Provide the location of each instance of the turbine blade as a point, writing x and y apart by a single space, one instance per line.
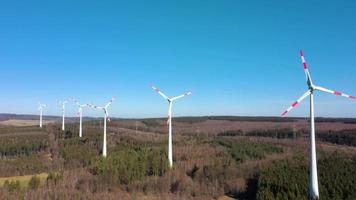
334 92
62 102
294 104
110 102
306 70
180 96
75 101
160 92
94 106
41 105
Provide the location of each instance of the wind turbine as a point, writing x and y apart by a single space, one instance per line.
313 178
63 103
169 121
106 117
80 113
40 108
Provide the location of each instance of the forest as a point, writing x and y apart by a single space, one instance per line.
257 164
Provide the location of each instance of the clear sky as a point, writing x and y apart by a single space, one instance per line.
236 57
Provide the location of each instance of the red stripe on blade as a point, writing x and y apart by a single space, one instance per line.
285 112
337 93
305 65
295 104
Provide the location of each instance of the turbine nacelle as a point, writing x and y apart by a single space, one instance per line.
78 104
41 106
103 108
63 103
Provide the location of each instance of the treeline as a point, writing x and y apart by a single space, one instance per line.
342 120
22 145
343 137
288 179
192 120
253 119
156 125
273 133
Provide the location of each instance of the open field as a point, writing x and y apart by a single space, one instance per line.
214 158
21 122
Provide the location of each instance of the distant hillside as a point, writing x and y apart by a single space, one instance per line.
7 116
254 119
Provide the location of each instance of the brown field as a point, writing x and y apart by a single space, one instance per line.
22 122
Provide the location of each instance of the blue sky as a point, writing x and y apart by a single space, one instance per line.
237 57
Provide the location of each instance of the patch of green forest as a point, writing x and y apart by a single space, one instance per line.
126 166
22 145
288 179
242 150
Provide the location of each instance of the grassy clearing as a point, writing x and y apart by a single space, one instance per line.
24 179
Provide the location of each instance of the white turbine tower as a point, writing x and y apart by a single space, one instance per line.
40 108
313 178
169 121
106 117
80 113
63 103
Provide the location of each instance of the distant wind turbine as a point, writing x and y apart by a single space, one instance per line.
106 117
80 113
169 121
313 178
40 108
63 103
